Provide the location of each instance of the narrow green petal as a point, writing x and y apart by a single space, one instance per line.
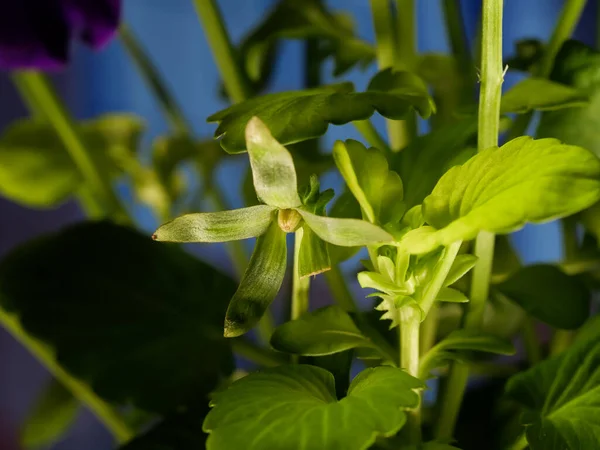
218 226
260 283
273 168
345 232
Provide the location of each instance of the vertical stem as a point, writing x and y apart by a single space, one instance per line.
42 100
489 114
81 391
368 131
339 288
235 81
406 33
385 36
409 360
531 341
154 81
429 329
300 286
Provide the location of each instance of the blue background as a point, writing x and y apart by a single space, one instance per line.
104 82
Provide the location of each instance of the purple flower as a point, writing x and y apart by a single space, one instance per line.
36 34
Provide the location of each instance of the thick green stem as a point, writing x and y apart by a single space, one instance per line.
455 27
406 34
429 329
81 391
300 286
488 129
567 21
439 276
154 81
409 361
236 83
385 36
42 100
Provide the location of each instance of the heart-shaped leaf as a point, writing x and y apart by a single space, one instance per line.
499 190
561 397
541 94
300 115
139 321
456 346
277 408
550 295
325 331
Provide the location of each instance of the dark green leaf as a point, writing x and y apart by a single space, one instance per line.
457 343
499 190
550 295
220 226
527 53
298 403
561 397
52 415
576 65
325 331
138 320
299 115
541 94
260 283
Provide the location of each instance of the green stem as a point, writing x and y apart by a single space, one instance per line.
531 341
429 330
441 270
339 289
368 131
569 235
520 444
406 34
42 100
81 391
300 286
488 129
457 36
236 83
258 355
567 21
154 81
409 361
385 36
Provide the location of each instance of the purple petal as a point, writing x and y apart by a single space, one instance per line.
33 35
94 21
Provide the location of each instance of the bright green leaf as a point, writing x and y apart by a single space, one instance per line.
314 255
461 265
447 294
273 168
299 115
260 283
550 295
499 190
298 403
561 397
325 331
52 415
220 226
140 321
456 344
541 94
345 232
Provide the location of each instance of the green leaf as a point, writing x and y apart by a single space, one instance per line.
561 398
314 255
460 267
322 332
423 162
36 169
345 232
273 168
576 65
139 321
220 226
52 415
301 401
177 432
541 94
457 345
550 295
260 284
499 190
366 174
447 294
300 115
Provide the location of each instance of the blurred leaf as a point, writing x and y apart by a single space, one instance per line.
527 53
139 321
500 190
36 169
576 65
314 255
550 295
506 260
219 226
52 415
299 115
322 332
447 294
561 397
301 400
541 94
260 284
460 267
